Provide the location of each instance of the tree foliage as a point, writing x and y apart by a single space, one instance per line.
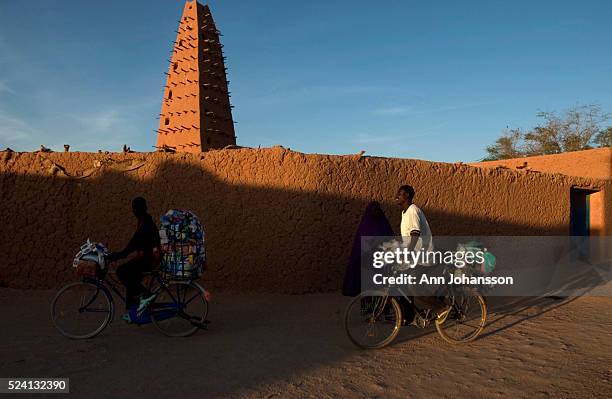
604 138
578 128
507 146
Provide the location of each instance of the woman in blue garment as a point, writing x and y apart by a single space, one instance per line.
373 223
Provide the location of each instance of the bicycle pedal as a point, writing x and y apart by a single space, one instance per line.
420 322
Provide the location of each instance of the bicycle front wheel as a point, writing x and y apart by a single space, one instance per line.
180 308
81 310
373 321
465 320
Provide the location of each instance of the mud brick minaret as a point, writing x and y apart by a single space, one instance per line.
196 113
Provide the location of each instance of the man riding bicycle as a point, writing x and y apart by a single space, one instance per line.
416 236
143 251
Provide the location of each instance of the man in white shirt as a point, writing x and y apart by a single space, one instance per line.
415 230
416 235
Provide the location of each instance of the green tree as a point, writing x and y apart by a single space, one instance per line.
578 128
506 147
603 138
542 140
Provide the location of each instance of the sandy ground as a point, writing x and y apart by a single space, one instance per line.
267 346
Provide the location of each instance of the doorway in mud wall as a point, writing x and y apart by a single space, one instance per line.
586 212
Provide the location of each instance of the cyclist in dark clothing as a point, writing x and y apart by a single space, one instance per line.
144 246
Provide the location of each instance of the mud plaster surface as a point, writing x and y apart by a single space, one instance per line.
276 220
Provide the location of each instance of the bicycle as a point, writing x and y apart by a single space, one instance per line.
83 309
381 316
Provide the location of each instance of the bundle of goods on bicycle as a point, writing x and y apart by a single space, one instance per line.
483 260
182 244
90 260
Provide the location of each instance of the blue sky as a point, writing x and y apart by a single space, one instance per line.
428 80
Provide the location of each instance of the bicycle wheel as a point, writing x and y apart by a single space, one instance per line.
81 310
373 321
465 320
179 309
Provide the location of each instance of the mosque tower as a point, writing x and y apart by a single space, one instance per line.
196 114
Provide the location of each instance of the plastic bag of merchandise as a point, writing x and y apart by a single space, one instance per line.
182 244
487 259
90 261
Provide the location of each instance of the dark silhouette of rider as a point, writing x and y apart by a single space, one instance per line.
143 251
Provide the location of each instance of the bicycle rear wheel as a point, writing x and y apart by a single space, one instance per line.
81 310
465 320
179 309
373 321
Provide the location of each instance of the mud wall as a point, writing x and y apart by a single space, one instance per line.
276 220
594 163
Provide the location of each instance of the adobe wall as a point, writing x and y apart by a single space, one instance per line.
276 220
595 163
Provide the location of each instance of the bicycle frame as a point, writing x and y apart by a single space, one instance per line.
378 307
111 285
180 292
410 301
